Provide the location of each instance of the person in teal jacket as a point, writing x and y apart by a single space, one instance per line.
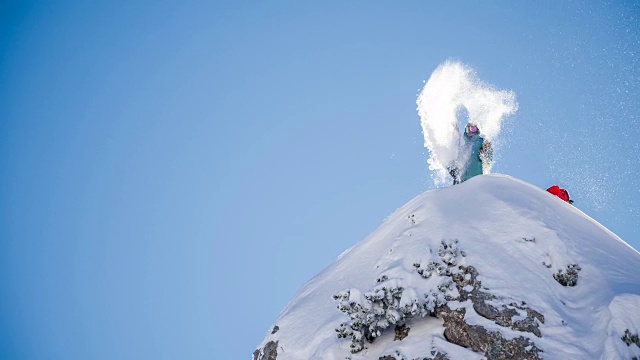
476 155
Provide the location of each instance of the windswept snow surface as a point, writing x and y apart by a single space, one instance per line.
508 229
453 91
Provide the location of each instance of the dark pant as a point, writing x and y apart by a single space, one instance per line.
455 174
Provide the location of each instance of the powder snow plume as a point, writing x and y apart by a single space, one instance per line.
453 96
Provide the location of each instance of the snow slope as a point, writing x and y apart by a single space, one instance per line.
516 236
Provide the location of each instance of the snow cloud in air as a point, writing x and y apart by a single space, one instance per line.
451 97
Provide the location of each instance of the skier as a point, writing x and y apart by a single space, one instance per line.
476 155
560 192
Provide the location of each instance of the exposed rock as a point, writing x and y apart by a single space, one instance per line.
467 277
478 339
275 329
402 331
270 352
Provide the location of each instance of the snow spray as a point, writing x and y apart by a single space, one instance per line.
451 97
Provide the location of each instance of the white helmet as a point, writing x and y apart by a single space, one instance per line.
471 129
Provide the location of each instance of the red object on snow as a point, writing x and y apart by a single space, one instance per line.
559 192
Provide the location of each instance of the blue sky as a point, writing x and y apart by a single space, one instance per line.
170 174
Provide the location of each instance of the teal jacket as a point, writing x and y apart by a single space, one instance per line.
473 166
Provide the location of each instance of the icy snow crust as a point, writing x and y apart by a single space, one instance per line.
491 216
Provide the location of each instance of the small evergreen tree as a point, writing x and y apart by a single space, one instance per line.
630 338
568 278
389 302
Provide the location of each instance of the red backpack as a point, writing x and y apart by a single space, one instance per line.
560 192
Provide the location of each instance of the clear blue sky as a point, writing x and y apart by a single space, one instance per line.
172 172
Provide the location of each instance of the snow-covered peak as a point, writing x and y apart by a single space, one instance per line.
493 257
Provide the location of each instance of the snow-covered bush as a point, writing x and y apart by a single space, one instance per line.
389 302
448 255
568 278
369 313
630 338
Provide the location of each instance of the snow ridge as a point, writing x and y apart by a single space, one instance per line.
516 240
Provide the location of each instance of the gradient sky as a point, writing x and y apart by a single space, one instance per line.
172 172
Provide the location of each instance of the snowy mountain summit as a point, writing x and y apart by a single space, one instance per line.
493 268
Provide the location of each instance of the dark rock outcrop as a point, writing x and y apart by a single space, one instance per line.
503 316
476 337
402 331
270 352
